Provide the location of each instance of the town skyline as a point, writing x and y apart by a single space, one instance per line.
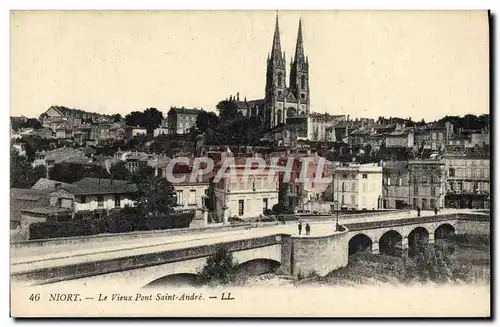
113 81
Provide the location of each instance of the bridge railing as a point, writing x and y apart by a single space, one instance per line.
416 220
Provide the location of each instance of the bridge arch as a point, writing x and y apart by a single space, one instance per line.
391 243
258 266
444 231
174 280
418 238
360 243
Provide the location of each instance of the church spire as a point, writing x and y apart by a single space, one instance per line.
299 48
276 50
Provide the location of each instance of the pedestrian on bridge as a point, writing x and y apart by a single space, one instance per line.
418 211
300 228
308 229
436 211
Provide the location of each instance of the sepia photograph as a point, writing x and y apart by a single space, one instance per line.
258 163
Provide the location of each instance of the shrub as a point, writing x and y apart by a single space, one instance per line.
220 268
278 208
65 229
124 221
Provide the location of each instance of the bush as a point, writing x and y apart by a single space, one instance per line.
278 209
65 229
124 221
220 268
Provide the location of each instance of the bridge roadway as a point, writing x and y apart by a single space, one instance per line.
39 257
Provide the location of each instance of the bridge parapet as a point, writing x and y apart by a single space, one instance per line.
84 268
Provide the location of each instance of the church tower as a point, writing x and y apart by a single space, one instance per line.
275 82
299 75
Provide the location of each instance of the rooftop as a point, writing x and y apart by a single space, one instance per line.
90 185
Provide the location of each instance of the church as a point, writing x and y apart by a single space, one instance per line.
281 101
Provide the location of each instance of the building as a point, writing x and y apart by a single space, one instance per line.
399 139
20 148
282 101
468 182
192 195
181 120
50 158
160 131
427 183
131 132
94 196
57 115
245 196
358 186
395 185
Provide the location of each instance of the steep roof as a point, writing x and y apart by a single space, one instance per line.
90 185
22 199
47 184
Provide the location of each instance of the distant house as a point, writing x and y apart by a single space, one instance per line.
399 139
20 148
160 131
50 158
56 115
26 199
131 132
181 120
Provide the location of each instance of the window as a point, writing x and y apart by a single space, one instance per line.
433 191
264 204
180 197
100 201
342 198
117 201
353 199
365 175
241 207
388 181
83 199
192 196
344 176
400 181
302 82
415 190
280 79
343 187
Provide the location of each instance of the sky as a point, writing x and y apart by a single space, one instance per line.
418 64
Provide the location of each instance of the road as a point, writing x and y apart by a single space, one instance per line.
23 258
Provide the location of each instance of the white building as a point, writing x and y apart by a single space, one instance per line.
246 195
191 196
91 195
358 186
160 131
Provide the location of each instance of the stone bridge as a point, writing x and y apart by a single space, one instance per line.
395 236
256 252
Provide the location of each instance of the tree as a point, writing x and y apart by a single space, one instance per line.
228 110
22 175
72 172
219 268
278 209
150 119
119 171
157 195
117 118
206 120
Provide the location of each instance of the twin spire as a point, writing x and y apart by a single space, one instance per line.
299 47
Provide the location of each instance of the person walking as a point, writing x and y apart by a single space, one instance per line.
300 228
418 211
436 211
308 229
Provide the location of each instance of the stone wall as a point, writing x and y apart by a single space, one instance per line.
320 254
477 227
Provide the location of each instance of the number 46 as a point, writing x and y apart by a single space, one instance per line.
34 297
